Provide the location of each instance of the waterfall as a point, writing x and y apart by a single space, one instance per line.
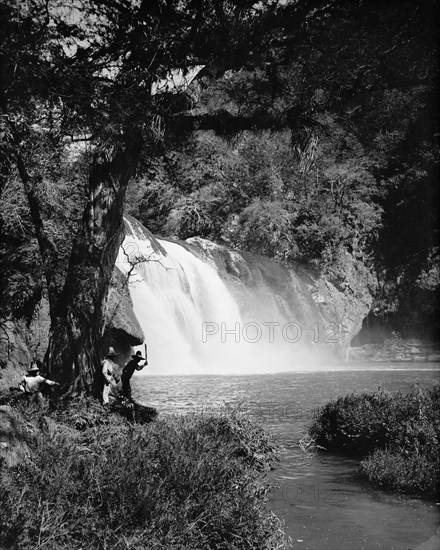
206 309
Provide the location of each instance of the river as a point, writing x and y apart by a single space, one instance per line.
322 502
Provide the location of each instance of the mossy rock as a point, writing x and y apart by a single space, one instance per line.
134 411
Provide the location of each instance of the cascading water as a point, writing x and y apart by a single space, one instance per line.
205 309
173 293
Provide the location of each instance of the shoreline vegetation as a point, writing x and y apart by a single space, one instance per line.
89 478
396 436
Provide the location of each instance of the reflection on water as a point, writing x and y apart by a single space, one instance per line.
323 503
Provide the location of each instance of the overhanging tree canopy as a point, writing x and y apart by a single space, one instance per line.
84 70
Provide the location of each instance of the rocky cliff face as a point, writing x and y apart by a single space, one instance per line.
327 314
13 446
122 327
120 320
21 343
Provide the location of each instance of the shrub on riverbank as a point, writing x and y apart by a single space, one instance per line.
180 482
396 434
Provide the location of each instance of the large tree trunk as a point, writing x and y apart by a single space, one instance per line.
73 356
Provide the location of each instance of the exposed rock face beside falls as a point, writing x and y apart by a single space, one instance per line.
267 290
120 320
20 343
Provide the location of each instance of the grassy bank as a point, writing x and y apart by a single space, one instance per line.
397 436
94 480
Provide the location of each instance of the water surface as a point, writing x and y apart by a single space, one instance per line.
321 499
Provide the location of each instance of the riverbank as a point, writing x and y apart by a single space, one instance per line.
82 476
397 349
396 435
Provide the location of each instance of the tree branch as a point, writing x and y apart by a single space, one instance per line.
223 122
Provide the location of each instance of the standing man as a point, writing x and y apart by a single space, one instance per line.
128 371
110 373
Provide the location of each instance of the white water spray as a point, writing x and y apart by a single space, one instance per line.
192 319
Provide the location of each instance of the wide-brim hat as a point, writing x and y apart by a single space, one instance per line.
34 368
111 352
138 356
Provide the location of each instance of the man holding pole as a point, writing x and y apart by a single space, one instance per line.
129 369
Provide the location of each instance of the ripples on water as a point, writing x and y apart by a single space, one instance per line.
324 504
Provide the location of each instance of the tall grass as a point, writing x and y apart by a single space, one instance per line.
397 435
105 483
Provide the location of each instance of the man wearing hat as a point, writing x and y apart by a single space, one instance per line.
32 382
128 371
110 373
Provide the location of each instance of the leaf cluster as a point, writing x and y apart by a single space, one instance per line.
387 428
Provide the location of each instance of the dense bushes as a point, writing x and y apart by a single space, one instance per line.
183 482
258 193
396 434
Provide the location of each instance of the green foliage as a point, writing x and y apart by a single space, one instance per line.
406 473
387 428
350 163
265 226
60 196
261 193
180 482
21 275
74 75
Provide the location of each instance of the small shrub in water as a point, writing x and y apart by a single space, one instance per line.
397 435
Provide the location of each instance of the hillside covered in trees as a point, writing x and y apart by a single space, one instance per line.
309 133
330 148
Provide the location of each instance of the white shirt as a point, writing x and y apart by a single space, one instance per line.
32 384
110 370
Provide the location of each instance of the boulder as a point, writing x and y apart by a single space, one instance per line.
13 446
120 319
